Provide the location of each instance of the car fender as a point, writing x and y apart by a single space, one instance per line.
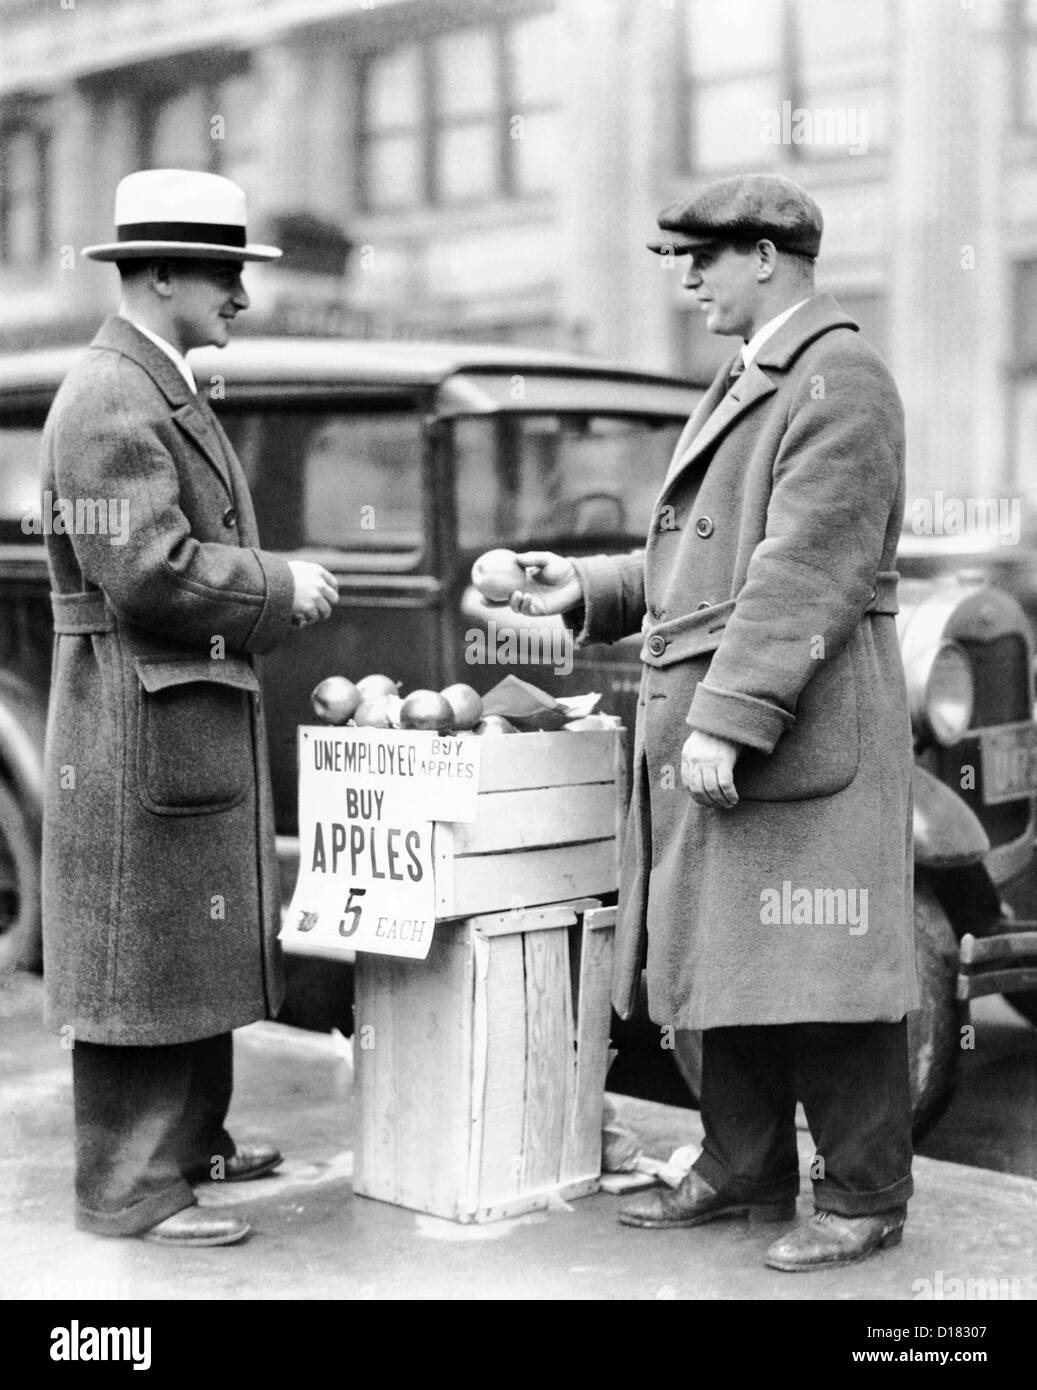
947 834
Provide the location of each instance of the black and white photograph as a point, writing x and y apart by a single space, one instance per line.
518 643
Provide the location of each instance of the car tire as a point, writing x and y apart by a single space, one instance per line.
21 945
933 1030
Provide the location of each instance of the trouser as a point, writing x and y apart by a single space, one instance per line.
147 1119
854 1083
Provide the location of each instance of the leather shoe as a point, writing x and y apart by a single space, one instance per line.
693 1203
198 1226
829 1239
246 1162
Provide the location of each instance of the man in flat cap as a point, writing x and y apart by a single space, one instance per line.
767 863
160 885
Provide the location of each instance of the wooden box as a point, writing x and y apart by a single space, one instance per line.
480 1071
548 826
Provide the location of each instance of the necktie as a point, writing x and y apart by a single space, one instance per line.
737 368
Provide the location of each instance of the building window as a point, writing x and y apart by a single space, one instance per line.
207 125
461 117
1023 33
23 195
766 81
843 74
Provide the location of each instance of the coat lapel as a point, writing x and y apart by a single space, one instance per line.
752 386
119 335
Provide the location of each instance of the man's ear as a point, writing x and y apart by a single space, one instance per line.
766 260
160 278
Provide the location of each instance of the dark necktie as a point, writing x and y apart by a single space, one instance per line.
737 368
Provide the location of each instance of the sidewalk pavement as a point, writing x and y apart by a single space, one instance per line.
312 1239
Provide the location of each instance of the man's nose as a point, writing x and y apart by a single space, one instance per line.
240 295
692 279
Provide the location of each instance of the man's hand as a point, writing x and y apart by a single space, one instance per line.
316 592
707 770
551 586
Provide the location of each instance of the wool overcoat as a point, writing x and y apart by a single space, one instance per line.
766 596
160 885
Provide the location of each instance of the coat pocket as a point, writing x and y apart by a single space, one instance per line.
194 734
820 754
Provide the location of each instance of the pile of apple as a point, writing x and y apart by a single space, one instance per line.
375 703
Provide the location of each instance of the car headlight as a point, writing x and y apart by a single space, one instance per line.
949 694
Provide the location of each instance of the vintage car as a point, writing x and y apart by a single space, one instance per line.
395 464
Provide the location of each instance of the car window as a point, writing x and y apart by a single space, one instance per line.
19 481
547 478
333 480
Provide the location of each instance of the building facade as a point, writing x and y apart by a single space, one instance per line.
490 169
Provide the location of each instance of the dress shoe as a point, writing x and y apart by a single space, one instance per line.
246 1162
830 1239
198 1226
693 1203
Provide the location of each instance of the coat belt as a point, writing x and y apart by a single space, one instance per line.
78 615
696 633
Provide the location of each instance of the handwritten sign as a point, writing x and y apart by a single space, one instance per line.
367 802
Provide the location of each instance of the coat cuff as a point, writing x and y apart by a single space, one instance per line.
600 618
738 718
275 617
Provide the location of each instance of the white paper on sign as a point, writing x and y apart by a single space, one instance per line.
436 777
367 802
366 880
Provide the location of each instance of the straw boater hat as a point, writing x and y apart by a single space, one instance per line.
181 213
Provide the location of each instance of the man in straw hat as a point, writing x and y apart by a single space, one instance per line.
767 866
160 885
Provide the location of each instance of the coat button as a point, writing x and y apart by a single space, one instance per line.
230 518
704 527
704 604
656 645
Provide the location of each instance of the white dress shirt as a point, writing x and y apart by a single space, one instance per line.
178 360
752 347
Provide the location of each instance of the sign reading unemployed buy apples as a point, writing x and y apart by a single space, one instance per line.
367 802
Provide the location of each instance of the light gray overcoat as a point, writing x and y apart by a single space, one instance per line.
766 594
160 886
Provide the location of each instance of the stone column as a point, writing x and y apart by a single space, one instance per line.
943 256
613 295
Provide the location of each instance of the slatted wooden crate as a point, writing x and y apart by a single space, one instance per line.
480 1071
548 826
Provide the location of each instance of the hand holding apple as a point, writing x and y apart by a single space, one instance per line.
551 584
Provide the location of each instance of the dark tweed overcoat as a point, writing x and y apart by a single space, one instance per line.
766 595
160 897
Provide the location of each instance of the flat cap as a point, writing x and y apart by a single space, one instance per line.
746 207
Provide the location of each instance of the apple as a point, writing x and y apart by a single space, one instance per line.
493 725
465 703
335 700
376 713
426 709
497 574
372 686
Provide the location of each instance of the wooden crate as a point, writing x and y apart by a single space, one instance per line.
480 1071
548 827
